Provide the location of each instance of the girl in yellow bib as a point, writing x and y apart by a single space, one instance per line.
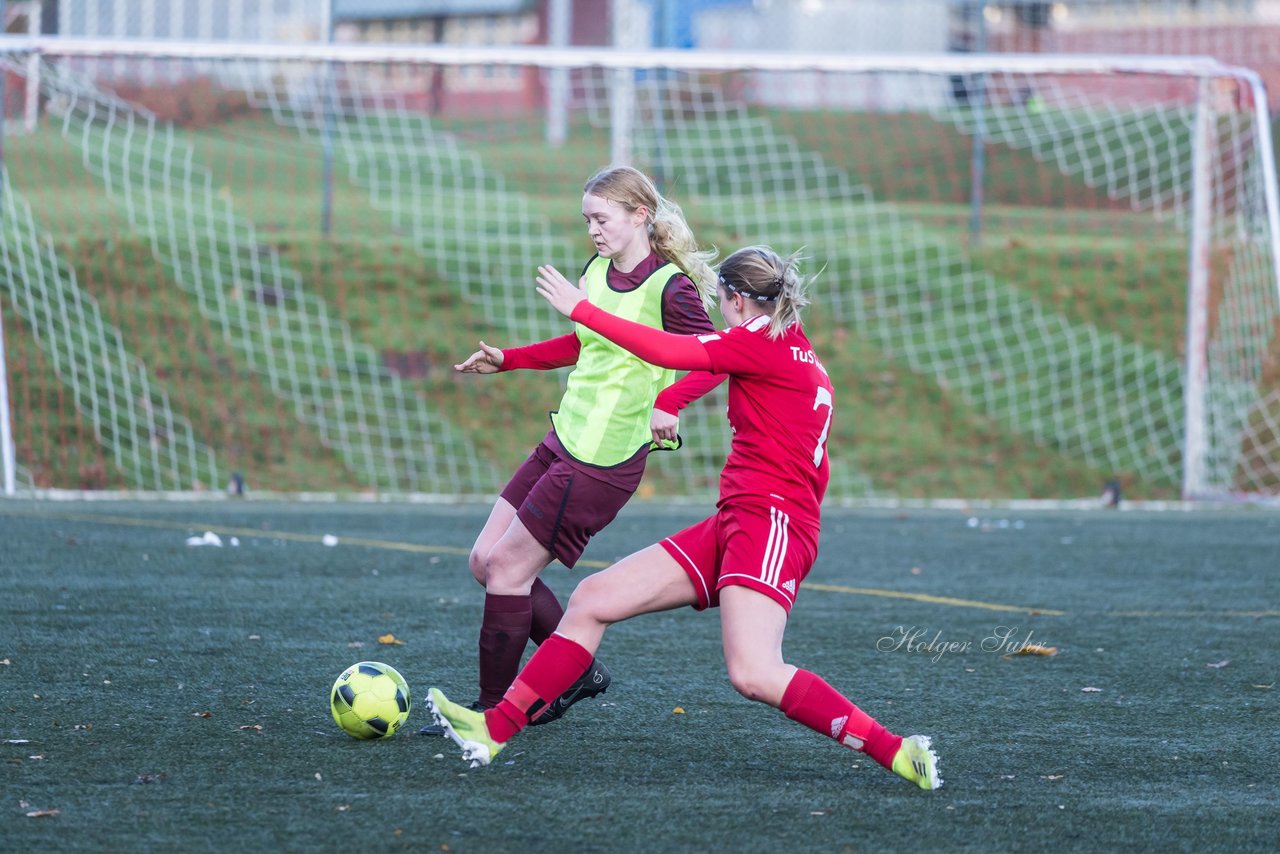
648 268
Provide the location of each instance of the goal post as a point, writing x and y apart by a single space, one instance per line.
8 457
191 293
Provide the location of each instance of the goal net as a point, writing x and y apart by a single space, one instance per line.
1036 275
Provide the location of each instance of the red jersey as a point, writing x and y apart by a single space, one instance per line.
780 407
780 403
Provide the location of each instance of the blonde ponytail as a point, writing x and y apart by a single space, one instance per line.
762 276
672 238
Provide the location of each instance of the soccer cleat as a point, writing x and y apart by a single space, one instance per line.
593 683
438 731
914 761
466 727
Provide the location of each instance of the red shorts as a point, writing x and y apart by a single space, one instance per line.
560 505
748 546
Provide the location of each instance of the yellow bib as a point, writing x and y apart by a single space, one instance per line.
604 415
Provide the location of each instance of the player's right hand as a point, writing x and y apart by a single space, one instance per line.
559 291
486 360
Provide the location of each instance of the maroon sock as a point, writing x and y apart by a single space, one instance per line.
504 633
556 665
547 612
811 701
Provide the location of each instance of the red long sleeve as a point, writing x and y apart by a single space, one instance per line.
544 355
686 390
681 352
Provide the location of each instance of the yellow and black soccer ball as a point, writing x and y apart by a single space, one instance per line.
370 700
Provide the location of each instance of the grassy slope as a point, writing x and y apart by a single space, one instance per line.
904 429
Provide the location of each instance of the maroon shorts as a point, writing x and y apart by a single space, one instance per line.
747 546
560 505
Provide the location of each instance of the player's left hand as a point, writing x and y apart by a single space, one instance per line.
664 426
558 290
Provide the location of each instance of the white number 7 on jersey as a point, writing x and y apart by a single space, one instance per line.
823 399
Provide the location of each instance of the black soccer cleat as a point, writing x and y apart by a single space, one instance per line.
593 683
438 730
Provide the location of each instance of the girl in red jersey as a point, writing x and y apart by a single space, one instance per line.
648 267
751 556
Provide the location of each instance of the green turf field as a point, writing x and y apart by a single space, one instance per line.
162 697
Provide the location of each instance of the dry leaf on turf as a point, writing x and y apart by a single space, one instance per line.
1036 649
678 710
388 639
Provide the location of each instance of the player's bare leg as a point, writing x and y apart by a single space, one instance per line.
645 582
752 625
751 628
500 519
649 580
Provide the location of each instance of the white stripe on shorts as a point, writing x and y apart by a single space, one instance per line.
775 551
697 571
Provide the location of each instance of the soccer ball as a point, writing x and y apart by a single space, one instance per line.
369 700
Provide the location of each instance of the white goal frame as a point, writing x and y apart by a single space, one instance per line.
1203 69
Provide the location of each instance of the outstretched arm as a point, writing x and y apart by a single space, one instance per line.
542 356
548 355
681 352
486 360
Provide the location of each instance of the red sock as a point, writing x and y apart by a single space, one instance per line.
504 633
556 665
811 701
547 612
